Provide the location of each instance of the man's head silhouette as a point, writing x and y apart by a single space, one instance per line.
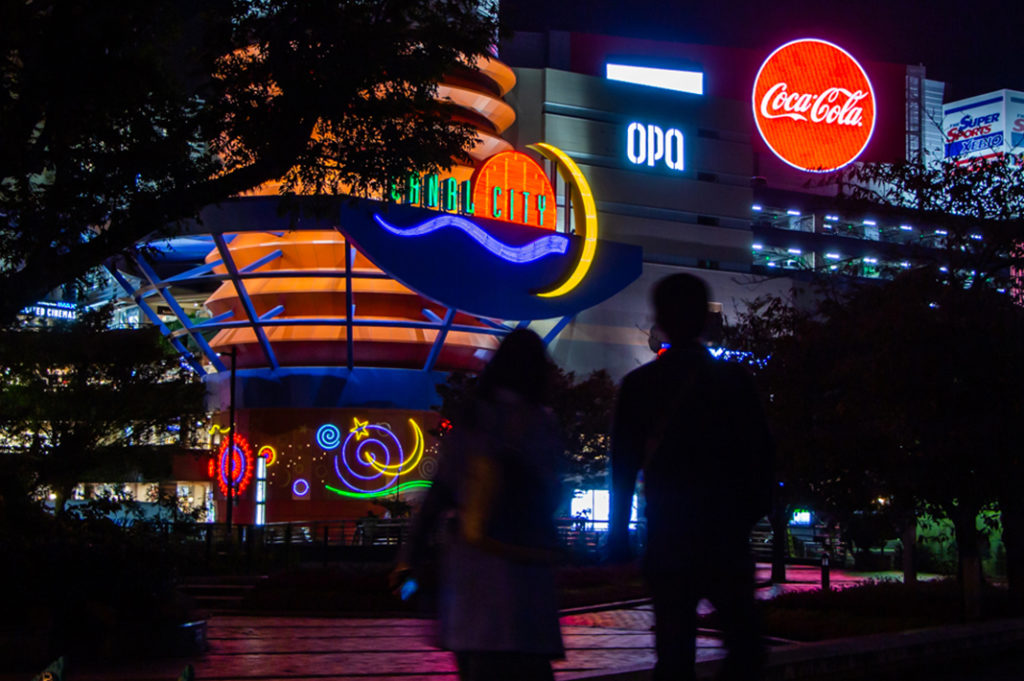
680 307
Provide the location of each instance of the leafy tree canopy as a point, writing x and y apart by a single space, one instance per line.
974 210
122 118
583 409
85 403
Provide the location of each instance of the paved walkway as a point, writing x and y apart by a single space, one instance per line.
286 648
244 648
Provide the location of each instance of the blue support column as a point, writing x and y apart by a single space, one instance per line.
243 296
182 316
557 329
442 333
155 318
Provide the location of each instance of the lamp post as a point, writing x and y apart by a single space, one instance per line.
231 439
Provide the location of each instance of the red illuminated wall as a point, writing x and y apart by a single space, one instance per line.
301 455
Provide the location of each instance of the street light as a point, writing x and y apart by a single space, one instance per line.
231 438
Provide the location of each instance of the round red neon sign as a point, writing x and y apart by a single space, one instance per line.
813 105
512 187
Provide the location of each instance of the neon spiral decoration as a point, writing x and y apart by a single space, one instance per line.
268 453
404 487
328 437
404 466
372 458
552 244
242 464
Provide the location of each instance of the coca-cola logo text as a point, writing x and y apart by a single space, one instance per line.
813 105
834 105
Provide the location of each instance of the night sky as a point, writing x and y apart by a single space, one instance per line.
975 47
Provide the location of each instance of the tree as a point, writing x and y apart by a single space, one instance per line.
814 445
976 207
890 397
84 403
126 118
583 409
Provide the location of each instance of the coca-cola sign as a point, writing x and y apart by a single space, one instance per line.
813 105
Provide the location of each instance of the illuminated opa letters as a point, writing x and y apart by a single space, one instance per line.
650 144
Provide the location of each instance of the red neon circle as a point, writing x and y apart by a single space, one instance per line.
814 105
501 185
242 464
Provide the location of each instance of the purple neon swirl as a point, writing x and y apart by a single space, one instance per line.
359 460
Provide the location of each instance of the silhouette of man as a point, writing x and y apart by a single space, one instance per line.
696 428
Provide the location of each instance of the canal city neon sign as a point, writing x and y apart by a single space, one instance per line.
509 187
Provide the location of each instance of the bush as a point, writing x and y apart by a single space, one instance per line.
869 608
85 587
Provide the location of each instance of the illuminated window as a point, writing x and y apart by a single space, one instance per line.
666 79
595 505
800 517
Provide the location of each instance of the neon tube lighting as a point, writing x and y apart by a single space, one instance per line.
552 244
404 487
328 436
584 210
404 465
666 79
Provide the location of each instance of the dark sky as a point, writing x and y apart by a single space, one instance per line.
973 46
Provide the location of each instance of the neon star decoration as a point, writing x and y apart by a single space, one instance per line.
242 465
359 428
371 460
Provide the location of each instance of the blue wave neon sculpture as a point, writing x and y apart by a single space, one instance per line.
552 244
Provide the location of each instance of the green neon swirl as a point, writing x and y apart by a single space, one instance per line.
405 486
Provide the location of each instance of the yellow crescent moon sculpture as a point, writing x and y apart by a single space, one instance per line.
403 467
585 210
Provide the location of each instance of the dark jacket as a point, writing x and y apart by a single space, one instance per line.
696 427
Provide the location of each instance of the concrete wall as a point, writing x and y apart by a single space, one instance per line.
696 220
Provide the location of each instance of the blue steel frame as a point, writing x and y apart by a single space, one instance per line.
204 274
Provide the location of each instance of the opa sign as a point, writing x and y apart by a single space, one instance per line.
648 144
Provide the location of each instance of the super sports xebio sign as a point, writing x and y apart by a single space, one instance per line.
814 105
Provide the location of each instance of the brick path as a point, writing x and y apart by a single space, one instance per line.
321 649
250 648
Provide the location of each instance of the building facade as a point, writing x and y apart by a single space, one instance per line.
326 335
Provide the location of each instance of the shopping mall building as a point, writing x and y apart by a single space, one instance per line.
603 164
